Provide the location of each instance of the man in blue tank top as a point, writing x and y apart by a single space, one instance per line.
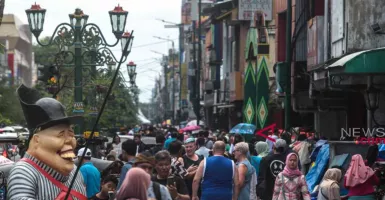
219 177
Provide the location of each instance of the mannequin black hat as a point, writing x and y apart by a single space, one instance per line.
42 113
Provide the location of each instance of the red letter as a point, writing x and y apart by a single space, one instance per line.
363 140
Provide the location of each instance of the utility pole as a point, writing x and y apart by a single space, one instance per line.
172 55
194 89
288 65
198 103
173 82
165 62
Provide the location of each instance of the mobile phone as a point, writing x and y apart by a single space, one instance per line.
170 180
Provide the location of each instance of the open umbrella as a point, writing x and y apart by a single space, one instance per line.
191 128
243 128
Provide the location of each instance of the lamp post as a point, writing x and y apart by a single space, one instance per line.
91 47
372 99
131 70
172 55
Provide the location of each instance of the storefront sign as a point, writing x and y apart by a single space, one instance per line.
247 7
315 42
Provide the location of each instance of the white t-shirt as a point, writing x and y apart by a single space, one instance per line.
117 148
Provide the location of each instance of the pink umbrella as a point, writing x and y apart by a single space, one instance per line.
191 128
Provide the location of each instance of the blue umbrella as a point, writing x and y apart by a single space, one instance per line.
243 128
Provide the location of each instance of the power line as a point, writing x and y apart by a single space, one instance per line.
145 45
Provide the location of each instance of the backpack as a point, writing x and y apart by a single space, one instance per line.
156 188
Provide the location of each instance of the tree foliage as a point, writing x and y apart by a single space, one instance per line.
10 109
120 109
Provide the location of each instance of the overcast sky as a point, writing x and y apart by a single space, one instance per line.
141 18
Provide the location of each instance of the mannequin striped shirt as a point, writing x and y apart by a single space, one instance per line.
27 183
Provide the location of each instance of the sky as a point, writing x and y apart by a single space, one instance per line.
142 18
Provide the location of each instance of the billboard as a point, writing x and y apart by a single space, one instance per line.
247 7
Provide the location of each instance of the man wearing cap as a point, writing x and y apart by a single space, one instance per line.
270 167
91 174
47 168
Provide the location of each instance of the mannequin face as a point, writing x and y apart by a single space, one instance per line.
55 146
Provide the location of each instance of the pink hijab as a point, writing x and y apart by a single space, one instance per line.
358 172
291 172
135 185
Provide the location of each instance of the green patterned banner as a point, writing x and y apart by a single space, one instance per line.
250 92
262 95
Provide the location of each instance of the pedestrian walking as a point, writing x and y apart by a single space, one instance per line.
219 175
91 174
134 186
246 173
360 179
290 183
329 188
270 167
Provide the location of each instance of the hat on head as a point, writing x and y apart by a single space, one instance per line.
42 113
88 152
189 140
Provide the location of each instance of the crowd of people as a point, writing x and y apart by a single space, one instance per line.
221 167
182 166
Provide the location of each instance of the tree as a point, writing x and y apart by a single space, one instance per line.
10 108
119 109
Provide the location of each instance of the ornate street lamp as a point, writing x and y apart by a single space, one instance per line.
118 21
372 98
127 37
36 17
111 65
78 18
131 69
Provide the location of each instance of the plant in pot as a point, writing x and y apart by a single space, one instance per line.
52 85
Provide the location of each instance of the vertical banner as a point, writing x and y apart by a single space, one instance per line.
263 90
250 91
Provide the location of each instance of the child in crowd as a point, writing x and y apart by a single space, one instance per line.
108 187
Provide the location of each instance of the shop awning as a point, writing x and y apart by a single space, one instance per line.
363 62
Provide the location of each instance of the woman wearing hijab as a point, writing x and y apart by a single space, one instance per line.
329 188
262 149
371 156
135 185
360 180
302 147
290 183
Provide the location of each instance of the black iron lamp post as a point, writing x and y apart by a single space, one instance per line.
91 47
372 98
131 69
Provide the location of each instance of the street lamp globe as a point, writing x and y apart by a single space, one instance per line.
36 17
127 37
78 18
118 21
131 68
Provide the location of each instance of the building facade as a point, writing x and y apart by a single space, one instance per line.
20 57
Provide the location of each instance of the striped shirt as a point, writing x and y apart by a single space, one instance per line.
27 183
177 168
